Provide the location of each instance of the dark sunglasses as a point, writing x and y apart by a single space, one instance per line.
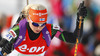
37 25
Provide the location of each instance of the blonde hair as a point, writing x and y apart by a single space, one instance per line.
25 10
38 7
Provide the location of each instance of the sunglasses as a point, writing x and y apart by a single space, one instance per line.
36 24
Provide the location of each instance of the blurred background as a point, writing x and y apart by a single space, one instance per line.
64 14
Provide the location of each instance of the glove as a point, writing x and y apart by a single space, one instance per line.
1 53
82 11
3 42
7 48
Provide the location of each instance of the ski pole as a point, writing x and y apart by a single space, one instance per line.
80 21
77 41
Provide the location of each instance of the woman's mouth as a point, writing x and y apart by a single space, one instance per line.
37 30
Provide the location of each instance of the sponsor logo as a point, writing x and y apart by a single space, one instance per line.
40 14
13 33
20 37
47 32
56 27
9 37
24 48
42 19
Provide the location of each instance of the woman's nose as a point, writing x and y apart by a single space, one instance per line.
39 27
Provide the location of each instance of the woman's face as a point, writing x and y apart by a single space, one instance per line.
36 29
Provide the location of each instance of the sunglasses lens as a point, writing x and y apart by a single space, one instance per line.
43 24
35 24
